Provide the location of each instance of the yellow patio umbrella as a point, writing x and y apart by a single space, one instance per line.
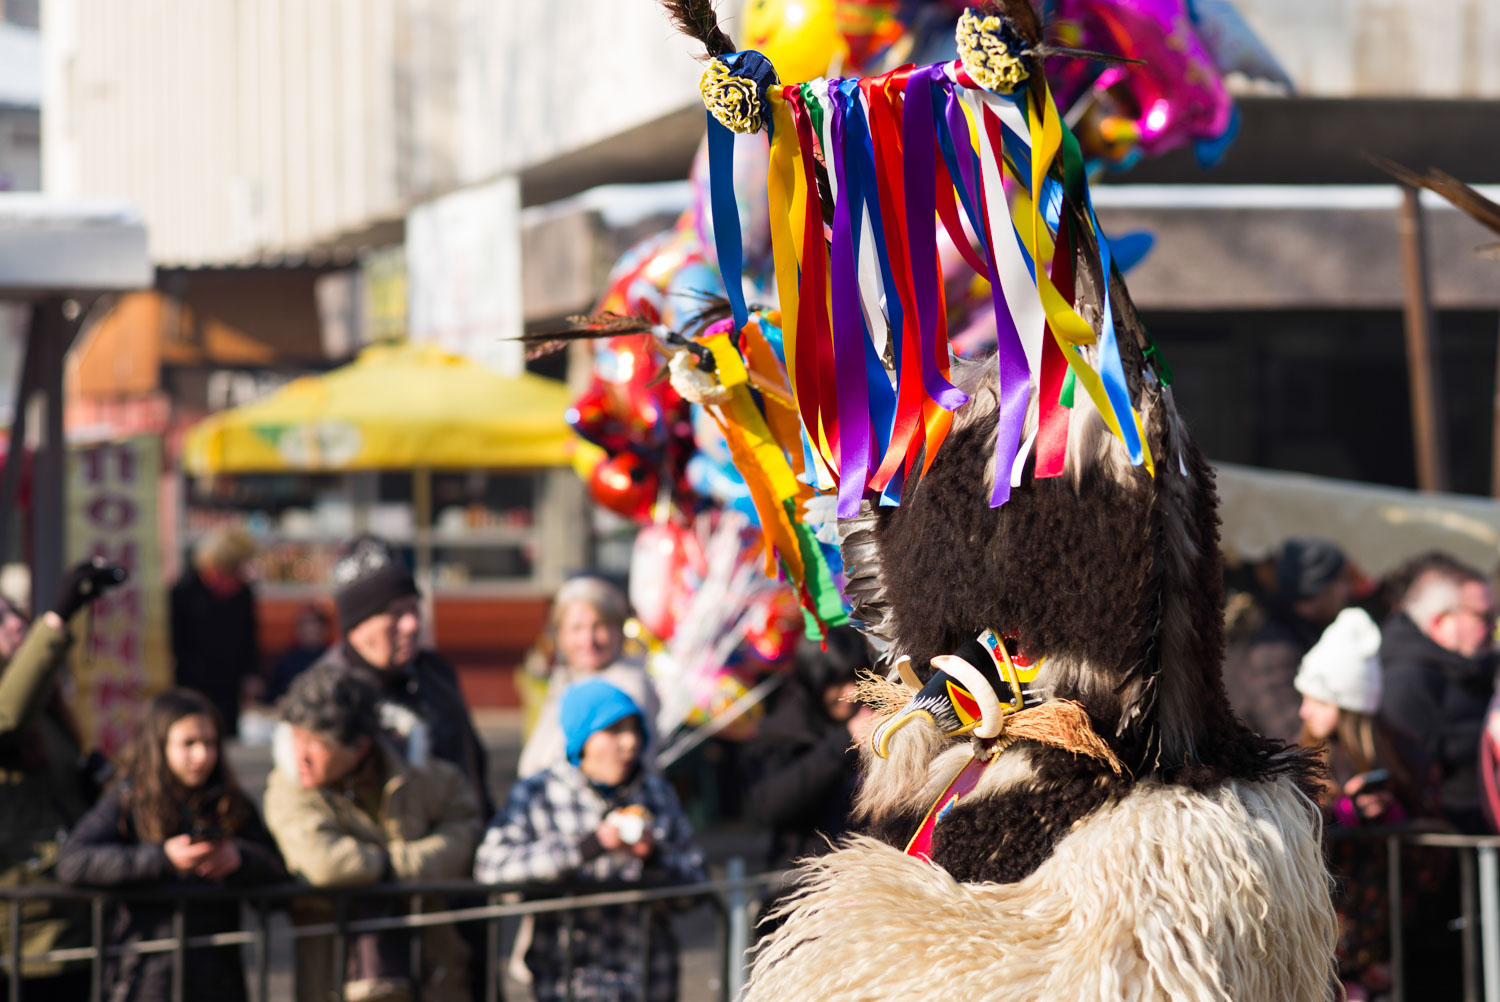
401 406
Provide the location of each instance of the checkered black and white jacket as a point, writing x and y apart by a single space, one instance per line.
540 836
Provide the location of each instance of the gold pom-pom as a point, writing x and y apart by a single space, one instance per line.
989 51
734 101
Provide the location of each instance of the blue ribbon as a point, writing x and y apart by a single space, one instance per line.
726 217
725 209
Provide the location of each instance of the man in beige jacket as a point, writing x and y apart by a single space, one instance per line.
348 808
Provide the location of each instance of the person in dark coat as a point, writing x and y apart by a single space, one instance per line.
1312 586
214 641
176 818
1439 679
804 760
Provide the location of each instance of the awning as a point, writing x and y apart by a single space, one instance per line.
396 407
1379 527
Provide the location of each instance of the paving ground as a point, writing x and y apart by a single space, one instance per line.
697 931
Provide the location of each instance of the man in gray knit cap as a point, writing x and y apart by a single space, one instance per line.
380 620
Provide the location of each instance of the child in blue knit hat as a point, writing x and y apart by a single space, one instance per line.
599 816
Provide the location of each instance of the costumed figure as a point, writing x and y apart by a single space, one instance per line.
649 456
1061 804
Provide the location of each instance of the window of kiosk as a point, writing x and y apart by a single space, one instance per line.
481 535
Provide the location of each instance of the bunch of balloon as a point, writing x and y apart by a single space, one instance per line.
639 427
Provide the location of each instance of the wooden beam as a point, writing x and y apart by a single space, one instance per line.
1429 429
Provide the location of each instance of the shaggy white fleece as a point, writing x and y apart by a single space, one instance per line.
1167 895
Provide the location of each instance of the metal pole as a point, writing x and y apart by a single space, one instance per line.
1393 891
414 951
179 949
1489 919
48 494
1429 434
341 947
15 456
14 947
423 551
96 939
1471 925
721 932
263 951
739 927
492 965
567 939
647 916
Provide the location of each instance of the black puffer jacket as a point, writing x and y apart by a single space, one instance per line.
104 851
803 774
429 688
1439 699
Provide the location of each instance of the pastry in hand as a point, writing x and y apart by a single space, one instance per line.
630 822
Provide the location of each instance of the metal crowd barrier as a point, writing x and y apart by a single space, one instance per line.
1479 927
731 899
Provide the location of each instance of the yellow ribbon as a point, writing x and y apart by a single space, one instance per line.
760 460
782 191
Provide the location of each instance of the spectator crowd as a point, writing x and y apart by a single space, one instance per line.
1394 686
380 777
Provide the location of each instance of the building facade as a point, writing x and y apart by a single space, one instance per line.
320 133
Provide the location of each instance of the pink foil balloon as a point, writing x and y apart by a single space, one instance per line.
1175 97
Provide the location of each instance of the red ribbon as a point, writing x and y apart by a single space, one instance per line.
1052 416
816 391
959 787
947 206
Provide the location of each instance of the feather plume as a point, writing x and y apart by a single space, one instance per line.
1021 15
697 19
585 327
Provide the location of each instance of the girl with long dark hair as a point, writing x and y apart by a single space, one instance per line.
175 817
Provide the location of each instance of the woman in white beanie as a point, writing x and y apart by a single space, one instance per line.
1374 778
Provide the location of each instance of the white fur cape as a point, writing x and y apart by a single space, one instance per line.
1167 895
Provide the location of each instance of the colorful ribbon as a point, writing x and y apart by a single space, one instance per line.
869 396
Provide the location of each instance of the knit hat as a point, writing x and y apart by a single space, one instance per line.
590 706
367 578
1343 668
1306 567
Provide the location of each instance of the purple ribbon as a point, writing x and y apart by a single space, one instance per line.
848 326
919 157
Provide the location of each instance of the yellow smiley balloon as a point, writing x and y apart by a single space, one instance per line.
800 37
